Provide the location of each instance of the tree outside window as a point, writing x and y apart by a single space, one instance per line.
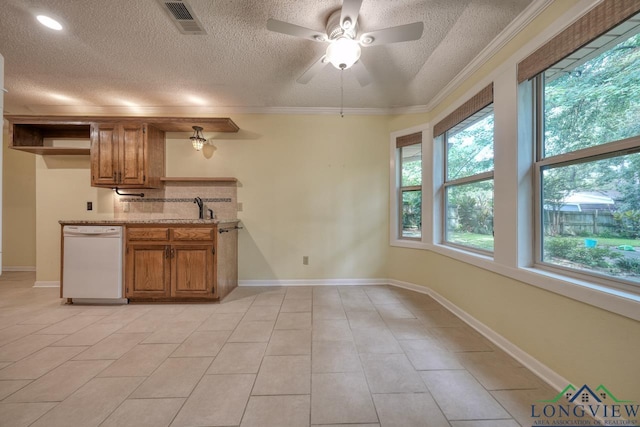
588 164
411 190
469 182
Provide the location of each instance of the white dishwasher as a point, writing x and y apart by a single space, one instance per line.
92 264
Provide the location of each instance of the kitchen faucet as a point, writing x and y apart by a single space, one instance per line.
198 200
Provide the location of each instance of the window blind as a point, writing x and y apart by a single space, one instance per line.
472 106
414 138
596 22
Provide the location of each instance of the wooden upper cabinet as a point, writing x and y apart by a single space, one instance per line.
132 160
126 155
104 154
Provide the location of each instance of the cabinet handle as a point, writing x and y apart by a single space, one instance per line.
173 253
166 252
120 177
115 177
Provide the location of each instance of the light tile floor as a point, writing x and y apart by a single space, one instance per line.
298 356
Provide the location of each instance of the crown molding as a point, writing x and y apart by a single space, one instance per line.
534 9
189 111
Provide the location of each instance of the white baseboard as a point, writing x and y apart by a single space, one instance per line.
555 380
47 284
314 282
19 268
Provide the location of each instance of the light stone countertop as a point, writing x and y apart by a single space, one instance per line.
149 221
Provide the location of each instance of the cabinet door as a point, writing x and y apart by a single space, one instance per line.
132 154
192 271
148 271
104 154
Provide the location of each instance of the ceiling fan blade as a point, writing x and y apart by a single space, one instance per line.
350 10
315 68
361 73
295 30
401 33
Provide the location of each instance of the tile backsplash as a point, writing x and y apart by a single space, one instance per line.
176 201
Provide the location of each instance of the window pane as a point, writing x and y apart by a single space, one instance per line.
412 214
411 157
470 149
591 216
469 215
593 103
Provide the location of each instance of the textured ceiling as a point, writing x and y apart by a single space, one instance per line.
126 56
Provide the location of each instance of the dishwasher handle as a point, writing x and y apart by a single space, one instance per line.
88 231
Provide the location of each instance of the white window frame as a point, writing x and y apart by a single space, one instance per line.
469 179
395 204
581 156
513 255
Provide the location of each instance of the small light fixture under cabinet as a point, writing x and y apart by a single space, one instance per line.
197 140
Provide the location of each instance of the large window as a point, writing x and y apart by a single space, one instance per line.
588 160
409 155
468 174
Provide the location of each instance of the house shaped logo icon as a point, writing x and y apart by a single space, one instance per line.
585 406
585 396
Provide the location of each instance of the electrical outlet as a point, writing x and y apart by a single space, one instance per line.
125 207
239 206
305 260
89 206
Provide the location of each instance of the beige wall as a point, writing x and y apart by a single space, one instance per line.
309 186
18 208
62 191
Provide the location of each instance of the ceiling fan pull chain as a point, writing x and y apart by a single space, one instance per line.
342 93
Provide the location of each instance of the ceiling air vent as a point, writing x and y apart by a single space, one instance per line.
182 15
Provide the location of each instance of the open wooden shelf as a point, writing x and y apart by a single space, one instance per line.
54 150
167 124
28 133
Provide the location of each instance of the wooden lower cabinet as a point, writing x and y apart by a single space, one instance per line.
178 264
192 271
148 271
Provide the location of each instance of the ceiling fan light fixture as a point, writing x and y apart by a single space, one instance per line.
343 52
197 140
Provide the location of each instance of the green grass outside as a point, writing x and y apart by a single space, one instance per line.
485 241
479 241
612 241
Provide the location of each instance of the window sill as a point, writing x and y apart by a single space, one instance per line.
411 244
613 300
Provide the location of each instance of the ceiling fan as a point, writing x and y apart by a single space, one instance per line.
344 41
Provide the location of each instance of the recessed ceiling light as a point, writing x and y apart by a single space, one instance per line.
197 100
60 97
49 22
